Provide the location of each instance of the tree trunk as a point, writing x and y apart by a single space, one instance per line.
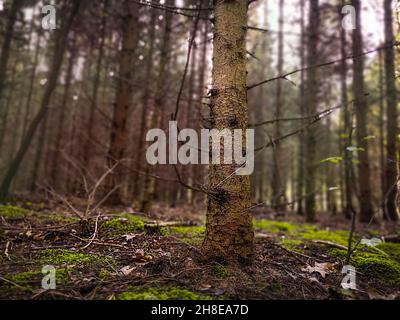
119 135
5 50
229 232
382 165
392 119
55 167
278 179
361 110
311 100
347 123
88 153
61 39
300 182
145 101
159 105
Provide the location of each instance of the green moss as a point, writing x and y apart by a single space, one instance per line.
292 244
54 217
161 294
190 235
374 265
12 212
301 231
123 224
392 249
275 226
67 257
32 279
220 271
339 236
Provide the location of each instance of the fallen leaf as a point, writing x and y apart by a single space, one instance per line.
321 268
127 270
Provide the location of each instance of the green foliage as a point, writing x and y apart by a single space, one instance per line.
123 224
12 212
161 294
334 160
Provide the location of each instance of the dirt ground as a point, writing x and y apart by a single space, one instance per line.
122 254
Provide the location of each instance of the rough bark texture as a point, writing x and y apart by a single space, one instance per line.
311 108
123 101
229 233
361 110
58 54
392 118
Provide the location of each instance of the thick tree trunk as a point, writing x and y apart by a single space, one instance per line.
361 110
311 100
392 118
229 232
58 54
119 134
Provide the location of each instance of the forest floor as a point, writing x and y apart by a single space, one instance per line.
124 255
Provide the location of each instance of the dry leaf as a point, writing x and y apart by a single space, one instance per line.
321 268
127 270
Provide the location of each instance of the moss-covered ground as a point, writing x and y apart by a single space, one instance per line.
123 260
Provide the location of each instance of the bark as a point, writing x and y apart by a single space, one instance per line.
122 105
392 118
6 47
31 84
61 39
311 105
229 232
96 84
278 184
347 123
361 110
159 105
382 134
300 183
55 167
145 99
7 106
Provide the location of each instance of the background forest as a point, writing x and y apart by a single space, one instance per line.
77 101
